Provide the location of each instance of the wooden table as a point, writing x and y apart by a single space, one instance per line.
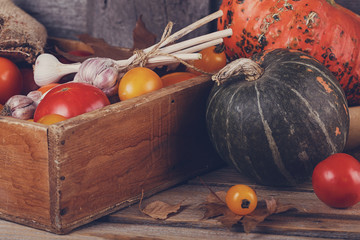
319 221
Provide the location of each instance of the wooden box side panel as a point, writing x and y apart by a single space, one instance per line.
142 145
24 175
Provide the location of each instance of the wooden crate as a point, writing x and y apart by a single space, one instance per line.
62 176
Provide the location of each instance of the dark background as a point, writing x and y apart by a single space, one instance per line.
114 20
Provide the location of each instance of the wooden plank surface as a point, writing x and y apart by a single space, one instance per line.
318 221
24 185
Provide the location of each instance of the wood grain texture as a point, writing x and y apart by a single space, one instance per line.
103 160
24 176
313 220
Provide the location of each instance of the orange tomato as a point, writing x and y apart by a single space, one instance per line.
51 119
241 199
47 87
212 60
138 81
11 81
176 77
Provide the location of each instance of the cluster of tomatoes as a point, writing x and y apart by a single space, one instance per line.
69 99
335 180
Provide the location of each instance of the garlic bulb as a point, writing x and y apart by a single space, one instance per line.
48 69
101 73
19 106
36 96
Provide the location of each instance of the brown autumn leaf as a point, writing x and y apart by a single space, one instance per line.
215 207
160 209
263 210
142 38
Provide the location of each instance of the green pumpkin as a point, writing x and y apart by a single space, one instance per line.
278 126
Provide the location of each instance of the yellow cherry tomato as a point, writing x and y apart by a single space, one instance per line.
212 60
176 77
51 119
138 81
241 199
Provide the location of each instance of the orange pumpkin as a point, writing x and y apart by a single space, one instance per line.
321 28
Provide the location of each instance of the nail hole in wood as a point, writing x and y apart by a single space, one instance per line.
63 211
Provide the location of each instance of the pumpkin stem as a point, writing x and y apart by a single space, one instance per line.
239 67
331 2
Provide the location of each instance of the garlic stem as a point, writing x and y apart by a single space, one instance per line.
179 34
164 60
194 41
48 69
208 40
202 46
191 27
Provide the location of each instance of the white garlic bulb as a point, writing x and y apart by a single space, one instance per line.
19 106
36 96
99 72
48 69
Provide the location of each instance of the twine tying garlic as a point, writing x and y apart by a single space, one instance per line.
105 73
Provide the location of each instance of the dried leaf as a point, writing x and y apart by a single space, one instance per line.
271 205
103 49
215 207
229 219
142 37
160 210
250 221
262 211
213 210
216 197
71 57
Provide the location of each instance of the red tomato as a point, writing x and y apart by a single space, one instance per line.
212 60
176 77
336 181
10 80
241 199
71 99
